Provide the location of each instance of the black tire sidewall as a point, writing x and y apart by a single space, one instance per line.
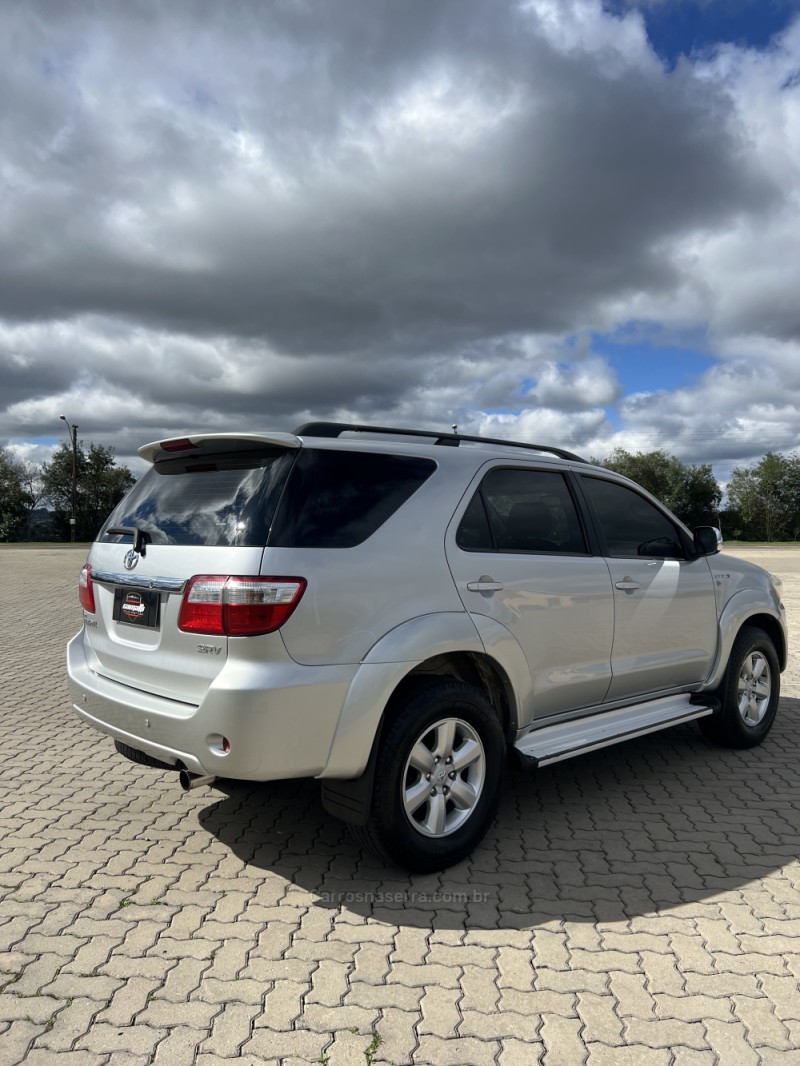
730 726
404 843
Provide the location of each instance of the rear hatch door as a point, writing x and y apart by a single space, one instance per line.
202 509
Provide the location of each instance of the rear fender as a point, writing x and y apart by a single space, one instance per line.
386 664
502 646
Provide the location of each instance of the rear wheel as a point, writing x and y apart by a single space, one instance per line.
437 778
749 693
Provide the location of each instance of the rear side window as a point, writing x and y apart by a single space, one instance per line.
221 500
336 499
521 511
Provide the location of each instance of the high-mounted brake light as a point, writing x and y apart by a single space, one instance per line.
226 606
182 444
86 589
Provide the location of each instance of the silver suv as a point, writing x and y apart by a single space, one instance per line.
393 612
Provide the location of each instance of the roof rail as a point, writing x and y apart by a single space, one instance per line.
335 429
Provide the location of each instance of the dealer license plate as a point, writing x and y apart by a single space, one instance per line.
137 607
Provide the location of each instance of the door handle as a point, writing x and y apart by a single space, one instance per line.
627 585
484 585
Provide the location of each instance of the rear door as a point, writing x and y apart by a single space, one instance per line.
519 554
205 511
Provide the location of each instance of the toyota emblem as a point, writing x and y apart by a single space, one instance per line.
131 559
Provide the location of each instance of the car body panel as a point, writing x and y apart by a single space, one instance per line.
558 607
559 610
386 664
665 629
355 596
279 719
164 661
744 592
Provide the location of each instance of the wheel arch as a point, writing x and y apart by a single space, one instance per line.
473 668
774 631
746 608
444 644
349 797
748 697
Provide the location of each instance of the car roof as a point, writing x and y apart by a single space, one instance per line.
449 449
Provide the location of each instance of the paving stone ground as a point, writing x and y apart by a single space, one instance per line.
636 906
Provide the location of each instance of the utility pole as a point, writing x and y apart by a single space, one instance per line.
73 434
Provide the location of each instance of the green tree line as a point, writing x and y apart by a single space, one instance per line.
690 492
26 489
764 499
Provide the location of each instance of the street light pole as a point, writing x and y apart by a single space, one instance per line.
73 434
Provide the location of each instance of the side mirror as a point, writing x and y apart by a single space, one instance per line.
707 540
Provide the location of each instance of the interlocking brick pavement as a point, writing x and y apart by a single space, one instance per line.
639 905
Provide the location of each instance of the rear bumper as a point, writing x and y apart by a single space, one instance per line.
280 718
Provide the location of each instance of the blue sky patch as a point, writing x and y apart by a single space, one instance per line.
685 27
646 366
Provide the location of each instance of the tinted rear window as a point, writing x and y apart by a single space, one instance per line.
219 500
522 510
306 499
337 499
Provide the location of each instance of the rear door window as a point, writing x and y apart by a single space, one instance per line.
518 510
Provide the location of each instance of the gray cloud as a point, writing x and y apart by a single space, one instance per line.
263 211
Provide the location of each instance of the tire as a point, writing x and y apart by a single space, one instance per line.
748 694
140 757
437 779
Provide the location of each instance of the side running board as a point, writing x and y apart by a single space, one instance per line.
553 743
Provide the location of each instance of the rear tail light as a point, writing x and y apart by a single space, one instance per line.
226 606
86 589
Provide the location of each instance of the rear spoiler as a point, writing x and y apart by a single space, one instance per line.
197 444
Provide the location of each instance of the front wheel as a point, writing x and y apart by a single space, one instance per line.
749 692
437 779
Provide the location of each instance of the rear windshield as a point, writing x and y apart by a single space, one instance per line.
310 499
220 500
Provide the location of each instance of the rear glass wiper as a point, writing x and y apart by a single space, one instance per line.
140 538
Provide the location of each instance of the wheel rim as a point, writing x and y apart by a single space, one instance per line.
754 688
443 777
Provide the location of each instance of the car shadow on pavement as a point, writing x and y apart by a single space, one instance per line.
635 829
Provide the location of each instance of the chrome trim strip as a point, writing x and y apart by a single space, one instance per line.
139 581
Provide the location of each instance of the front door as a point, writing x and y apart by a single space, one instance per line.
665 630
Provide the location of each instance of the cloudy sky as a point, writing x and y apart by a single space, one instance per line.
558 220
